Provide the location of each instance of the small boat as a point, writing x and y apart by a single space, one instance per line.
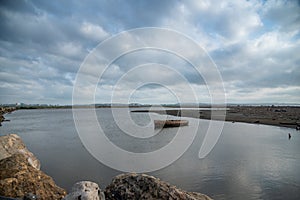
170 123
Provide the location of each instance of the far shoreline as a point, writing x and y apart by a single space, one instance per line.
280 116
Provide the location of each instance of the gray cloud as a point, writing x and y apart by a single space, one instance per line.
255 45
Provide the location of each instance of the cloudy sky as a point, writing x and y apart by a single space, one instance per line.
254 44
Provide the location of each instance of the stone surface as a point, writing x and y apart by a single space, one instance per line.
21 178
11 144
18 178
3 111
141 186
85 190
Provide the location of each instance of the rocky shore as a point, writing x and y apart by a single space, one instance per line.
3 111
283 116
20 173
21 178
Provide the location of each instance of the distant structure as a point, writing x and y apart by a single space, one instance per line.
20 104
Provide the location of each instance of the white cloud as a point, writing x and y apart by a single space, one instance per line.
255 44
271 41
69 49
93 32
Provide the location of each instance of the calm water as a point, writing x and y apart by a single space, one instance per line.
248 162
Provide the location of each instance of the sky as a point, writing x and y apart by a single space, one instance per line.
254 44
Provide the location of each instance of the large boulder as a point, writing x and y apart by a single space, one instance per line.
18 178
11 144
85 190
20 173
140 186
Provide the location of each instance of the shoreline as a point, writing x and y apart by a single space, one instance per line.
280 116
3 111
22 178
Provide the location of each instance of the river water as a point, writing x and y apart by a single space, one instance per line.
248 162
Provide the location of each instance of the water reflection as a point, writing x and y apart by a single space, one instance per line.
248 162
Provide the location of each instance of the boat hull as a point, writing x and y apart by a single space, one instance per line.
169 123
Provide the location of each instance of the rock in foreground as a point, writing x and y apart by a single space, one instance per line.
140 186
11 144
85 190
20 174
18 178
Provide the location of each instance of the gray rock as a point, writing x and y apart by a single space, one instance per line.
85 190
12 144
141 186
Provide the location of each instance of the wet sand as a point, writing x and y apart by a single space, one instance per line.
283 116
